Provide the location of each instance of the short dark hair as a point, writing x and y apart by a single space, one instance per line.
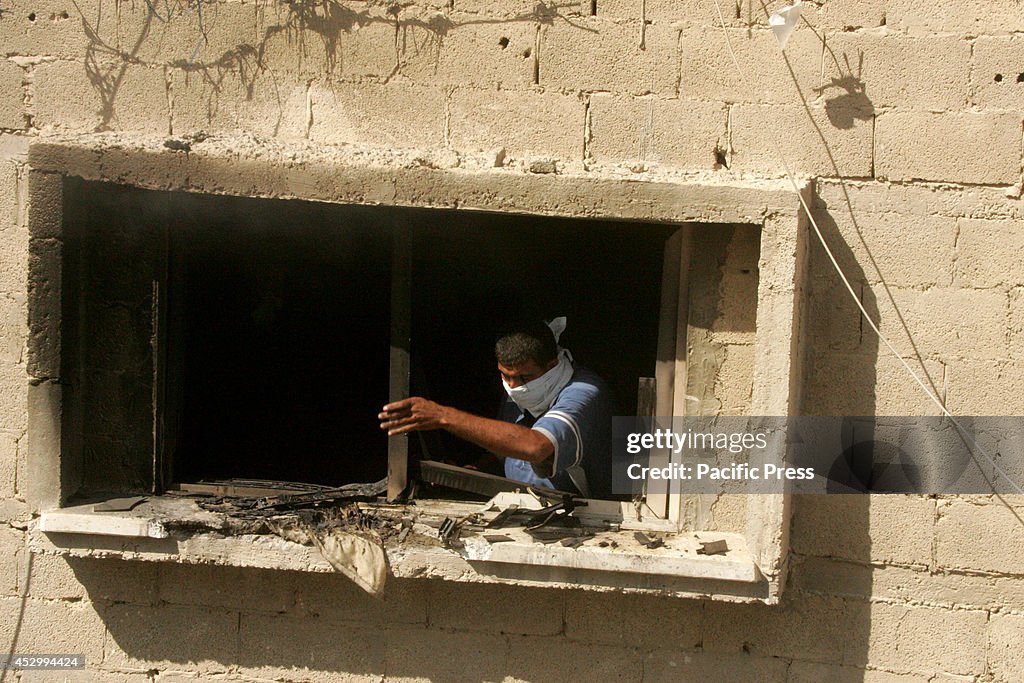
523 342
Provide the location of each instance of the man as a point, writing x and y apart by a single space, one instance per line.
554 428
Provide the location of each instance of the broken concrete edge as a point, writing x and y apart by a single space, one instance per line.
77 532
247 166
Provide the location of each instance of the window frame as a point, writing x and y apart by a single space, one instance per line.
769 204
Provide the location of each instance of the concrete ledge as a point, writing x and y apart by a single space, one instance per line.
154 532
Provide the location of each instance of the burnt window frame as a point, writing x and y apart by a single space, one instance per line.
768 204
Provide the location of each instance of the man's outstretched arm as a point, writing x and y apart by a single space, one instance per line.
503 438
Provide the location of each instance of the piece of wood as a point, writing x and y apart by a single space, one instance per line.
675 501
401 322
674 274
646 397
246 488
171 359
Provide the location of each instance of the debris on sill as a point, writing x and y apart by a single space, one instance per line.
119 504
356 531
713 547
649 541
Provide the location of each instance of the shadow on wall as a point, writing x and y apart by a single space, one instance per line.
198 38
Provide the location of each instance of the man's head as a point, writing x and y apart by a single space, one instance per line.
525 352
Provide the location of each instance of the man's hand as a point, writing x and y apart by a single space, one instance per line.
411 415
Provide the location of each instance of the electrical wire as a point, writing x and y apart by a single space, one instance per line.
835 264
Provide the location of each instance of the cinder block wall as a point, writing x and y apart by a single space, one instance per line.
910 117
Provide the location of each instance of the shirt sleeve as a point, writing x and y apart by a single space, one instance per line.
566 424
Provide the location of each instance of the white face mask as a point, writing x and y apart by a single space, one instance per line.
536 396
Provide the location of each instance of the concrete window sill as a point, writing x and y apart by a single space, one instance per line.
174 529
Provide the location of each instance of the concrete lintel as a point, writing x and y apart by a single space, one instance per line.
350 174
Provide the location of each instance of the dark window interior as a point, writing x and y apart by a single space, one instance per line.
275 324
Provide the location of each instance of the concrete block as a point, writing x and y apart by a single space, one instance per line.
44 295
672 666
336 598
8 465
9 198
813 628
12 543
590 54
813 142
919 17
918 199
45 206
13 398
836 14
255 101
850 14
524 124
71 96
940 588
839 383
89 675
676 133
1017 323
102 579
923 640
1006 659
351 40
979 537
734 383
13 329
979 387
665 11
14 511
14 147
308 649
203 36
834 323
389 115
883 70
512 609
522 10
14 262
899 249
170 636
470 52
806 672
680 622
989 253
997 72
833 577
958 147
951 322
861 528
39 474
52 578
59 28
36 626
12 100
707 71
533 658
419 655
251 590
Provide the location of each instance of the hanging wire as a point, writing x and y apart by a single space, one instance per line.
846 282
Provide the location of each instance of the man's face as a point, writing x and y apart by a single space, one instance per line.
518 375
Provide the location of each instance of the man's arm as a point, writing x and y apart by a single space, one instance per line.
503 438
